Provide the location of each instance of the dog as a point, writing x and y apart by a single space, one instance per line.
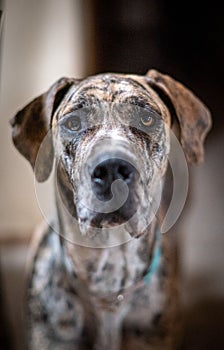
102 275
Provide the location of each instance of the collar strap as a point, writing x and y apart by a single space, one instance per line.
110 303
155 262
152 269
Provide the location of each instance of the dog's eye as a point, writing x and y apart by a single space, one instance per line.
147 120
73 123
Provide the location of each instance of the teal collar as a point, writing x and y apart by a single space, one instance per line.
153 268
156 258
114 300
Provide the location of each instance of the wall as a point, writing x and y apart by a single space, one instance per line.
42 41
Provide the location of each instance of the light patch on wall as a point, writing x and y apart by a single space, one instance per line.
42 41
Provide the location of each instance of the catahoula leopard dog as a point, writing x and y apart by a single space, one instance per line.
102 276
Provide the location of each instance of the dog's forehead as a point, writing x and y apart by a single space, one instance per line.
112 89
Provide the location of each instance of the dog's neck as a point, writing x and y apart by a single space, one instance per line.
110 268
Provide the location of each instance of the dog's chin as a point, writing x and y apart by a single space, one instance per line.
116 218
95 224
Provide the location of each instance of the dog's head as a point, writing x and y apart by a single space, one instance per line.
110 135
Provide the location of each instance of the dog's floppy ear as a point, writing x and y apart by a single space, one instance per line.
32 124
193 116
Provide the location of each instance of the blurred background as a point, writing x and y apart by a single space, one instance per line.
42 41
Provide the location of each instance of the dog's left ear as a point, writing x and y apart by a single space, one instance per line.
32 125
193 116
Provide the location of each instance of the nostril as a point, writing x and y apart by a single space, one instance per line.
100 175
124 172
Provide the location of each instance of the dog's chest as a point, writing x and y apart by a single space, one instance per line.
109 270
66 302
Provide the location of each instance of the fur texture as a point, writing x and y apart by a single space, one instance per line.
84 292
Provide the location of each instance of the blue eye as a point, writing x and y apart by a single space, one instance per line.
147 120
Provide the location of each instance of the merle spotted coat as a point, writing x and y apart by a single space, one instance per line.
104 279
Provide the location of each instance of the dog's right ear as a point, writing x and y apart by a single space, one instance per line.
192 115
32 125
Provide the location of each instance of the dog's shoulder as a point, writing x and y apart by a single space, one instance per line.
44 255
51 305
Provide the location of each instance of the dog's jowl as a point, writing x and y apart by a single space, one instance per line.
103 276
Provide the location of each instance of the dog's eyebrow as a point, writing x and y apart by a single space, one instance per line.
140 101
80 103
84 90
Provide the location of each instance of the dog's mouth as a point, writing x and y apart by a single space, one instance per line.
132 217
118 198
125 212
110 193
110 219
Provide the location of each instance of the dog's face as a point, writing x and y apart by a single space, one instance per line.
109 128
110 137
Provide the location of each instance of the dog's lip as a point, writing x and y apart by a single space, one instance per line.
129 226
113 219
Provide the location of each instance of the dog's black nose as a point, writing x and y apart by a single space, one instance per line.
107 172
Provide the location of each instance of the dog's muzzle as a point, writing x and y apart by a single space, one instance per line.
114 181
106 187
